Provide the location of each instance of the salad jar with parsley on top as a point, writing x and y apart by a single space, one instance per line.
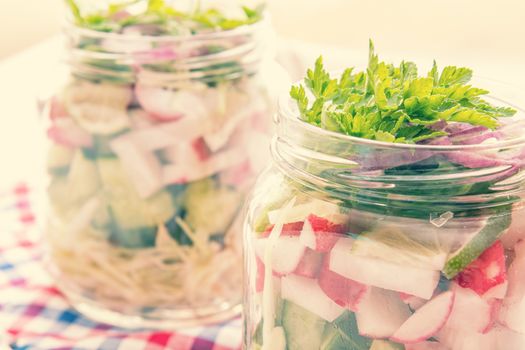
392 217
154 141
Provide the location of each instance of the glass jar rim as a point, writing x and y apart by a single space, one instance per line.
189 57
290 112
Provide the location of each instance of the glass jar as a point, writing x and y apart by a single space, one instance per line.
358 244
154 142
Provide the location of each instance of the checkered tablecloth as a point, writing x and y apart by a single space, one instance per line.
35 316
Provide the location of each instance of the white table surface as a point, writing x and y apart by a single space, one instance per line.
36 72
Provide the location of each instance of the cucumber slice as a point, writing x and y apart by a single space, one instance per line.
59 158
127 208
494 228
100 148
83 180
210 208
304 330
390 243
386 345
133 238
343 334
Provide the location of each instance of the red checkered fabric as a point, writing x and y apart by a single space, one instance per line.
34 315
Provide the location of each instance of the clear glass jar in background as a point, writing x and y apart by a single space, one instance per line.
347 238
154 142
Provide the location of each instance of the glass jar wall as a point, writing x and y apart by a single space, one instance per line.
154 142
359 244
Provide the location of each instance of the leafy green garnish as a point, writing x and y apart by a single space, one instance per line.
392 103
167 18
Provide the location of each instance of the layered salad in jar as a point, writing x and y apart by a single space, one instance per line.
393 217
153 143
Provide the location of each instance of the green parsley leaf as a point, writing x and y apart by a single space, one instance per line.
392 103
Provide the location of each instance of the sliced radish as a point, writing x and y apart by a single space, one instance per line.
182 173
57 109
486 272
506 339
320 234
466 304
184 153
380 273
143 168
516 231
426 345
495 307
310 264
219 138
238 176
139 119
426 321
289 229
306 293
497 292
287 253
67 133
167 104
381 313
301 211
346 293
412 301
259 278
512 312
167 134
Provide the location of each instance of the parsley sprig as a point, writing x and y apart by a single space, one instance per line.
168 19
392 103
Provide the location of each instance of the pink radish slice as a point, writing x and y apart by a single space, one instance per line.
516 231
167 134
486 272
495 307
66 133
286 254
182 173
381 313
426 345
289 229
57 109
320 234
512 313
143 168
380 273
497 292
306 293
346 293
166 105
222 133
426 321
412 301
310 264
466 304
238 176
259 278
301 211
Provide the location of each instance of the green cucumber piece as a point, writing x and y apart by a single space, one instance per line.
343 334
100 148
490 233
210 208
83 180
303 329
59 159
126 207
386 345
133 238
